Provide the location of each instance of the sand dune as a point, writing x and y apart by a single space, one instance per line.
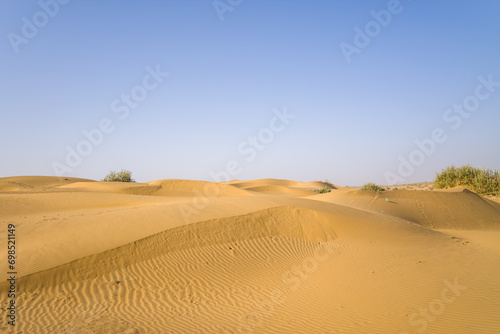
281 183
456 208
280 190
173 188
263 182
282 187
262 256
36 183
196 188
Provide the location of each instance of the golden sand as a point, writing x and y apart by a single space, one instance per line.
262 256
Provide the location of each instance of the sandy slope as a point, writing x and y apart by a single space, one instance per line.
263 256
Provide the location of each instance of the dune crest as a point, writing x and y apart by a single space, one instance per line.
456 209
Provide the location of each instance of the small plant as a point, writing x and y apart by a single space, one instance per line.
121 176
372 187
323 190
481 181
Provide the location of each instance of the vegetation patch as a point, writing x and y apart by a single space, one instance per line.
372 187
481 181
121 176
323 190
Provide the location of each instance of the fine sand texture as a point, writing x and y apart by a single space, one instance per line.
261 256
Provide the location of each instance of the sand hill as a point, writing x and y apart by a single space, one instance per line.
262 256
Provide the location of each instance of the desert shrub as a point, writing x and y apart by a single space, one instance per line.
323 190
372 187
481 181
121 176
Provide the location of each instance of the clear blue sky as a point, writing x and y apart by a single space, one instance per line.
353 120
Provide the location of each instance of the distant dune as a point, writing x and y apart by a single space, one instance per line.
261 256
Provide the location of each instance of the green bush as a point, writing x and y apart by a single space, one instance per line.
481 181
372 187
323 190
121 176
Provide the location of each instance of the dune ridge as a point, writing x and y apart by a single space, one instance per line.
456 209
289 222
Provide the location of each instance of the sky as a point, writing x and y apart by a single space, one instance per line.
347 91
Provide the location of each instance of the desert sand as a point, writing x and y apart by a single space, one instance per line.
261 256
